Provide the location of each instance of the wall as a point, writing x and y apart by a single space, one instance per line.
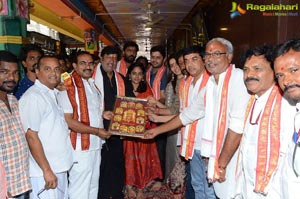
252 28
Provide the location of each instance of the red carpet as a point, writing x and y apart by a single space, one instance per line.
163 193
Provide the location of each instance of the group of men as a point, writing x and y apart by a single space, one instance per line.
241 135
244 122
54 140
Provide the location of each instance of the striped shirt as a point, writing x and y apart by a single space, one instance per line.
14 152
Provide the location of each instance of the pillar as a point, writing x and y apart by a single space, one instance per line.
14 15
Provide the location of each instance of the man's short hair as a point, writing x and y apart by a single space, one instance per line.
95 57
160 49
178 54
38 64
194 49
108 50
82 53
265 50
142 58
7 56
27 48
292 44
225 42
131 44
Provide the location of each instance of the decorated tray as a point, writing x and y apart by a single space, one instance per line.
129 117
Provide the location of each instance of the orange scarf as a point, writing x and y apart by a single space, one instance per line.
123 67
270 119
157 81
222 119
120 84
84 114
184 94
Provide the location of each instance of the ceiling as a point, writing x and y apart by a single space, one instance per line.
148 22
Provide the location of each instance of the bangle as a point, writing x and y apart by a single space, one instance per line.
222 169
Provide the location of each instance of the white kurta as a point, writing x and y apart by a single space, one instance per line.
95 110
290 182
249 144
236 108
40 112
193 93
84 175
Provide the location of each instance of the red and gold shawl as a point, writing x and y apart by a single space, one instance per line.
84 114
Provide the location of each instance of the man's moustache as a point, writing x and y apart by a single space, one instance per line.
87 70
286 88
251 79
208 63
10 81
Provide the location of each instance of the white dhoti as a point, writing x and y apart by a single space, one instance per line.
38 184
84 175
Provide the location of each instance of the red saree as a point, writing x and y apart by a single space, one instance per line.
142 162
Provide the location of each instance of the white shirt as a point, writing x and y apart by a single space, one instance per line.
95 111
249 146
236 107
40 112
290 182
193 93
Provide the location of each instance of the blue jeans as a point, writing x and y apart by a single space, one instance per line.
23 196
203 190
189 191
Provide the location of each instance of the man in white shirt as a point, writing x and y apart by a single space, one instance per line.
268 122
47 133
287 72
83 107
226 99
192 133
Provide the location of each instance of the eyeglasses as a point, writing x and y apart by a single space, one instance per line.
214 55
90 64
42 191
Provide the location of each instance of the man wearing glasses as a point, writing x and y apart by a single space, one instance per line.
224 100
83 109
47 133
268 122
287 72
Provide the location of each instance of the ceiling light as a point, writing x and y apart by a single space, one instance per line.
224 29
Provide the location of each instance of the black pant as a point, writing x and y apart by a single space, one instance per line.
161 143
112 169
